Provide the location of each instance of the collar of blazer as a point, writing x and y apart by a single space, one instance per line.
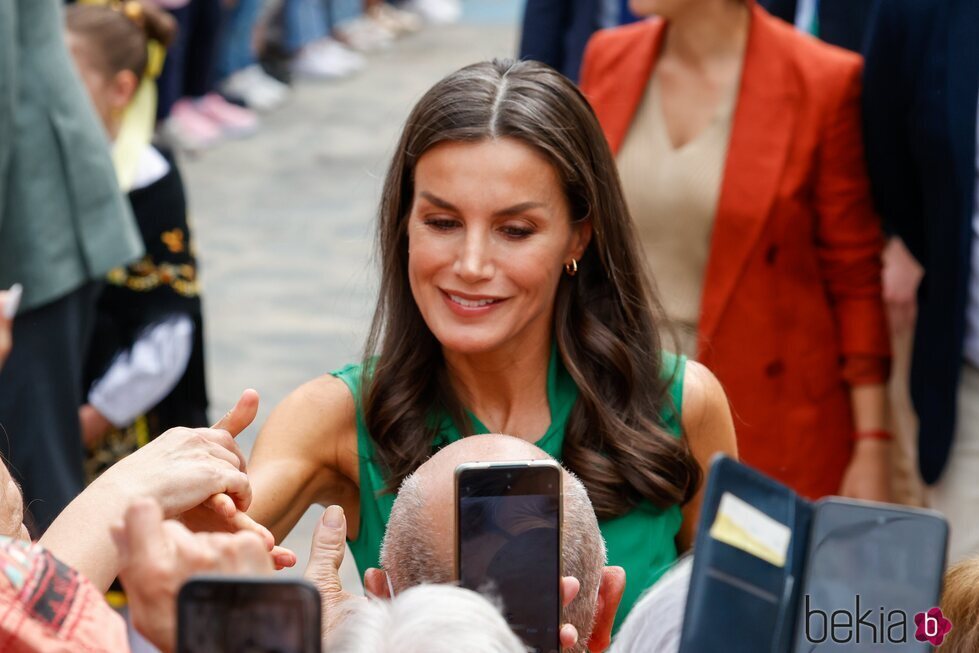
615 80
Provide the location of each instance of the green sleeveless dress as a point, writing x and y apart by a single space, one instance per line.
641 541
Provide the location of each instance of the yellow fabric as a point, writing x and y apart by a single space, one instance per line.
135 133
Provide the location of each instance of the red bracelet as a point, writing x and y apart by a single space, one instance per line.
874 434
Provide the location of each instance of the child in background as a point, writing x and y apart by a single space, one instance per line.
145 370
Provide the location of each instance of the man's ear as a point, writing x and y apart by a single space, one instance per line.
376 583
609 596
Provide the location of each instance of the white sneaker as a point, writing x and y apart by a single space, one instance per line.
256 89
436 12
365 35
333 49
394 19
319 62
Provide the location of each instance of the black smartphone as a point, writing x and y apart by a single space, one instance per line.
508 543
248 615
870 569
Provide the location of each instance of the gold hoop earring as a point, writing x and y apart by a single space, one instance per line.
571 268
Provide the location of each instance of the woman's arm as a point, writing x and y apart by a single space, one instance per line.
709 429
305 454
849 244
868 476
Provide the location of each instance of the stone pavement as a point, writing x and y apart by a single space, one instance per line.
284 220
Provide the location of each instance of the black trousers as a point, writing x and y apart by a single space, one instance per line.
40 392
189 67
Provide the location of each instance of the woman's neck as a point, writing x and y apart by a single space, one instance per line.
506 390
707 30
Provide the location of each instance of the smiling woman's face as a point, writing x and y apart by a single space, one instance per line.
489 234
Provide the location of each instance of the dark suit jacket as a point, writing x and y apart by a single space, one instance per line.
841 22
555 32
921 88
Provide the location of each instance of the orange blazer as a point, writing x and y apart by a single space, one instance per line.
791 313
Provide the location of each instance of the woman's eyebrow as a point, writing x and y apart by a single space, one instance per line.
516 209
438 201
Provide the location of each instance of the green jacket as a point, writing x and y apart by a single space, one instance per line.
63 220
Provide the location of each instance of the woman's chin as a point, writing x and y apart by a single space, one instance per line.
459 342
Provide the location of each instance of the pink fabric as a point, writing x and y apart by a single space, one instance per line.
48 607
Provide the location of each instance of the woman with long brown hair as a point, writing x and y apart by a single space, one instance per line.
513 300
739 147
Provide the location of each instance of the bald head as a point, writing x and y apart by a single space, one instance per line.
419 544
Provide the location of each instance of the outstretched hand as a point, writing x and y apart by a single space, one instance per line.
156 558
224 509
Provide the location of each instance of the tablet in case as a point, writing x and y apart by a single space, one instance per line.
775 573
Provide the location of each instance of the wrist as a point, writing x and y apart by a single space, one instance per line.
873 435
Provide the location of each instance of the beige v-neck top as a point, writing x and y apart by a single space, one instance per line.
672 194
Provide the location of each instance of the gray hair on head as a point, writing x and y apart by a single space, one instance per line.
427 619
408 551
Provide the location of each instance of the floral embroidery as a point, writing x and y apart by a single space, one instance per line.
145 275
174 240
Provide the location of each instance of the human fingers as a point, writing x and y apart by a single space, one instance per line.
142 532
251 554
221 504
219 443
570 586
194 552
569 636
283 558
326 554
239 521
238 418
224 478
223 445
117 532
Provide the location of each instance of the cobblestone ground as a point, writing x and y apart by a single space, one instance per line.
284 220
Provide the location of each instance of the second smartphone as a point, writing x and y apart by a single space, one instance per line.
508 543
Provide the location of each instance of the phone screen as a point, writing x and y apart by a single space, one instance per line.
509 545
225 615
870 570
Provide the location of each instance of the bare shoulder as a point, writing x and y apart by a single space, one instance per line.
316 423
706 415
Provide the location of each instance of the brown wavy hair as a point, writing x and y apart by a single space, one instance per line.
605 318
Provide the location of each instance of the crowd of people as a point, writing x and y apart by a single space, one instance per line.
672 229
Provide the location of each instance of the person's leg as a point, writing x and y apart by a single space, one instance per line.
956 494
40 393
202 48
235 49
305 23
170 84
